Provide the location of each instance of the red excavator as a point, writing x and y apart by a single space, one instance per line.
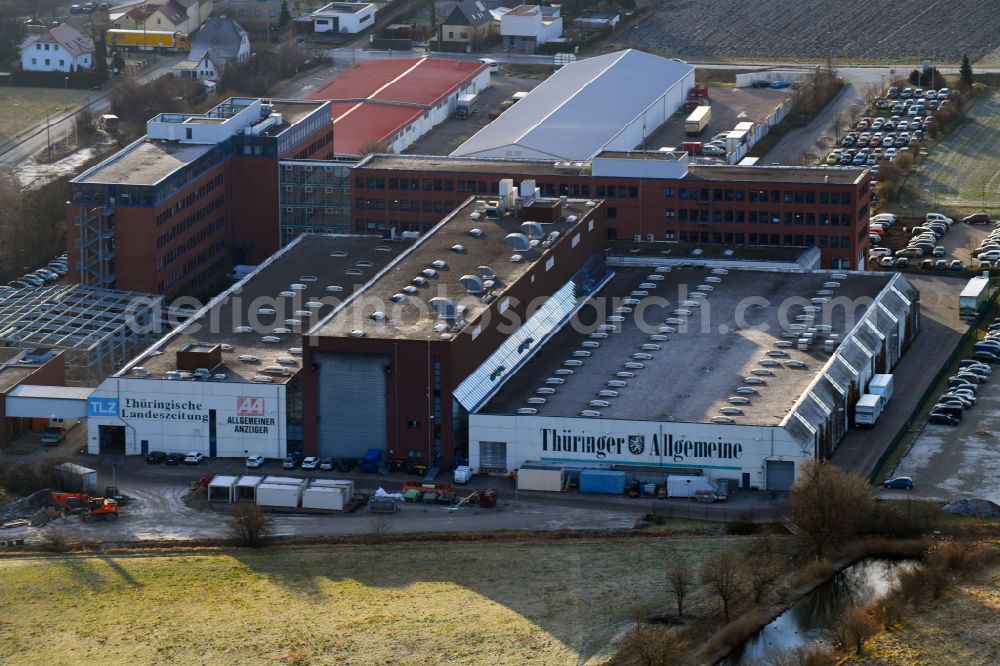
89 508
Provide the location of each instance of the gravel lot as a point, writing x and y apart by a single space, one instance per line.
891 31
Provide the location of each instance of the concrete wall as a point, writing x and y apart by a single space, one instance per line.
183 424
731 449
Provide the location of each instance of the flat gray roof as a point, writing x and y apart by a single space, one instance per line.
308 257
471 165
145 163
412 318
698 369
776 174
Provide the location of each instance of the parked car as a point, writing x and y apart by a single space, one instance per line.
310 462
255 462
899 482
174 459
194 458
938 251
346 464
52 435
326 463
780 84
887 262
955 265
942 419
714 151
292 461
977 218
902 262
155 457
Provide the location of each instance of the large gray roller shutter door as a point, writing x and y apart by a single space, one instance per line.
351 405
493 456
780 474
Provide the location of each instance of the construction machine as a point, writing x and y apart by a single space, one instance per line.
89 508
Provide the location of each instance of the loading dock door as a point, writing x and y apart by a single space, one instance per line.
351 403
780 474
493 456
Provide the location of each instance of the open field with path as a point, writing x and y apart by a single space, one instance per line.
963 169
24 108
960 629
862 31
416 603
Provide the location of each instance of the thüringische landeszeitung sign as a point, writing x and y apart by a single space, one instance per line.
639 448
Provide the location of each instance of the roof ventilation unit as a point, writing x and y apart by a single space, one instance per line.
738 400
364 263
581 353
516 258
632 365
762 372
429 272
410 289
444 307
420 281
722 419
794 364
573 363
647 285
616 318
286 294
378 315
731 411
555 381
270 339
656 337
398 298
439 264
839 276
354 271
617 383
458 248
607 393
475 233
756 381
338 253
535 401
527 411
590 344
281 330
607 328
663 269
226 347
698 294
314 305
545 390
598 336
265 310
518 242
356 333
564 372
650 347
599 403
831 285
243 329
655 277
625 374
261 379
334 288
532 230
746 390
472 283
298 286
140 371
592 413
623 310
666 329
248 358
640 356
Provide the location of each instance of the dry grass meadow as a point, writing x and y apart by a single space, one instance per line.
419 603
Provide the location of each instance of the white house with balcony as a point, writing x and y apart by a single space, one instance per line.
349 17
61 49
528 26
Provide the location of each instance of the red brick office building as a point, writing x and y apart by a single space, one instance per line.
171 213
648 196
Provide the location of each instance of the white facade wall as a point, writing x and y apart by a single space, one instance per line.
204 133
531 25
57 59
731 450
345 21
441 112
250 418
657 113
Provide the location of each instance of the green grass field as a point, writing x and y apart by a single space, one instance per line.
23 108
417 603
963 170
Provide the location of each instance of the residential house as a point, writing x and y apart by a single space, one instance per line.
526 27
61 49
205 66
466 28
224 36
256 15
344 17
170 15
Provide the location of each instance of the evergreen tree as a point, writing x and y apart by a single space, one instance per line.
966 70
101 58
284 17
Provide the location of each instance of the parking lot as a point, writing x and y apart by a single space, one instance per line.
962 461
958 243
450 134
729 107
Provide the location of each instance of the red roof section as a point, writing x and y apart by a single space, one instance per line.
417 81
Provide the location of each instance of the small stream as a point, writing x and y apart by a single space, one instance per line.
809 619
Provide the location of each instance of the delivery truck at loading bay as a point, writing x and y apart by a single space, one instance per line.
465 106
871 405
696 123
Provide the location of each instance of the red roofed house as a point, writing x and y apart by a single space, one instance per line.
389 104
172 15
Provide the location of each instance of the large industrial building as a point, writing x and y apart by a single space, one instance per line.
607 102
650 196
726 373
396 367
388 104
228 381
171 213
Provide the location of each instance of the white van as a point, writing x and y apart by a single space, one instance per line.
884 217
938 217
492 64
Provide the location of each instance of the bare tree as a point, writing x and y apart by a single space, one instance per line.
655 646
248 524
721 571
680 578
761 568
852 630
871 93
828 505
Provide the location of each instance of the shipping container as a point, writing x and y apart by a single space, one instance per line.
279 495
334 483
607 482
689 486
867 410
696 123
246 488
692 147
974 297
222 488
323 497
541 477
76 478
284 480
